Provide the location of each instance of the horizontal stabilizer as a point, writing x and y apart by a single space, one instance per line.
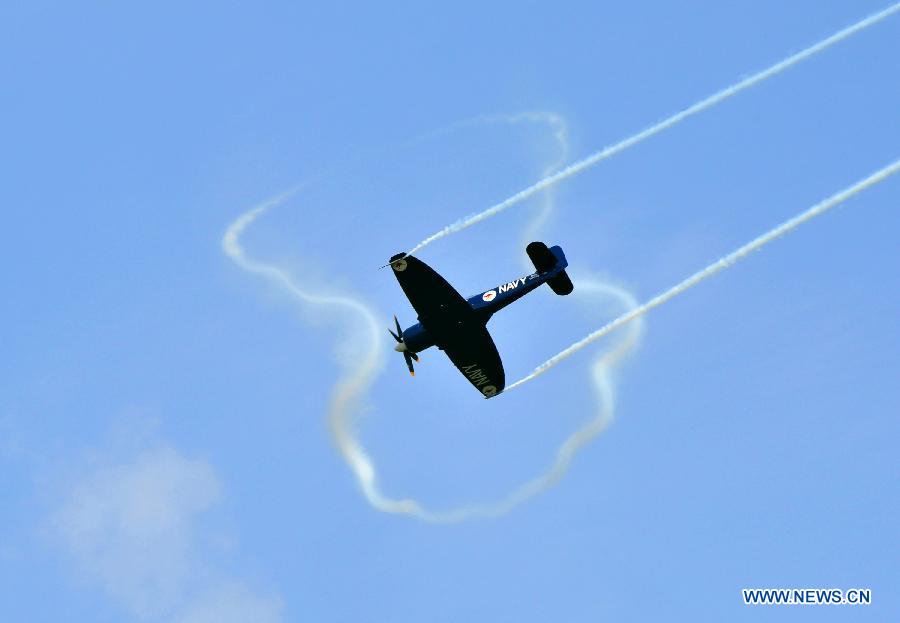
561 284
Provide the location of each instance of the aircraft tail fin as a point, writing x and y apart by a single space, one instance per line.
547 259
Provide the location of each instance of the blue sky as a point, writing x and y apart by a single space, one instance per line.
163 441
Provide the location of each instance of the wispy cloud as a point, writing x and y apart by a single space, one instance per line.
131 528
231 602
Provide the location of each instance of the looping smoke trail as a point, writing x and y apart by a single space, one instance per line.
633 140
354 385
560 134
356 382
717 266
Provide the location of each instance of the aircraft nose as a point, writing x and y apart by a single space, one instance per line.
400 347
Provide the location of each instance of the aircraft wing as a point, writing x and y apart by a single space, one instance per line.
429 293
473 352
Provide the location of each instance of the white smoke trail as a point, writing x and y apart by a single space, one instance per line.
633 140
560 133
354 385
717 266
352 388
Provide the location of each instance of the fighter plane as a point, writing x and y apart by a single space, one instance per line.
458 326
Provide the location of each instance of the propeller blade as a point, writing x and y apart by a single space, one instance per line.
408 356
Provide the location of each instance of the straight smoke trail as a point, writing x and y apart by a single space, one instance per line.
702 105
717 266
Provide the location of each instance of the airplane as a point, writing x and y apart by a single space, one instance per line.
458 326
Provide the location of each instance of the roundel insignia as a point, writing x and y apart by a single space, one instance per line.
489 295
488 391
399 265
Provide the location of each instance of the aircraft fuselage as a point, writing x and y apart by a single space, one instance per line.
416 338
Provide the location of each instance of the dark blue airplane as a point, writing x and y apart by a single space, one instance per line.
458 326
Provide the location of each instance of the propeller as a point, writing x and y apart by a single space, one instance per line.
408 355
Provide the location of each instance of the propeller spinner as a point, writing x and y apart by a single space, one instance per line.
408 355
